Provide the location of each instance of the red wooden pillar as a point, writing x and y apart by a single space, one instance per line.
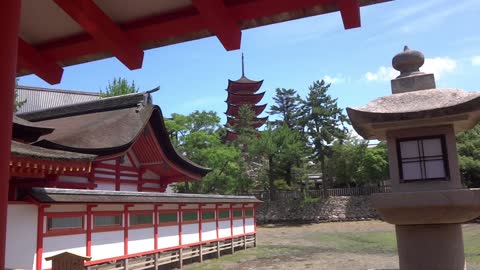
9 26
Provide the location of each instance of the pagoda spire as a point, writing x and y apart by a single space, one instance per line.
243 67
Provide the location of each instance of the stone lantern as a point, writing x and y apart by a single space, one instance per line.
428 202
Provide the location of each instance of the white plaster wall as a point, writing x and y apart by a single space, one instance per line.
190 234
104 175
66 208
168 236
190 206
237 226
224 228
105 186
249 225
134 158
21 236
107 245
75 243
169 188
140 240
151 185
168 206
126 162
111 162
132 178
128 187
150 175
108 207
74 179
209 231
148 207
104 170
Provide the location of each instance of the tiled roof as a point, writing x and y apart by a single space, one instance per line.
58 195
38 98
26 150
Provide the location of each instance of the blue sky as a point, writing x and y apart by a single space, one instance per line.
193 75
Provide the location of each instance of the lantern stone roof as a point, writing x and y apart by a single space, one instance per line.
415 102
58 195
30 151
418 105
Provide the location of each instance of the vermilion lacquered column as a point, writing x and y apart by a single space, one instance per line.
9 25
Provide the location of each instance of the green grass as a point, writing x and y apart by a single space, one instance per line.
471 238
368 242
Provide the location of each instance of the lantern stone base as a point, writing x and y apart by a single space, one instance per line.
428 225
452 206
438 246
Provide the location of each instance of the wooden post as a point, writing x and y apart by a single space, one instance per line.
68 261
155 264
244 242
218 249
255 240
180 258
125 264
233 248
201 252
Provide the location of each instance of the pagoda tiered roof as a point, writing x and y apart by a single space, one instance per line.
239 99
256 123
244 86
232 110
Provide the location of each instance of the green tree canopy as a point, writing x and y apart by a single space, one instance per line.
287 106
118 87
468 145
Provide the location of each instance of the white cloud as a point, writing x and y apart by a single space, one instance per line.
334 79
476 60
382 74
438 66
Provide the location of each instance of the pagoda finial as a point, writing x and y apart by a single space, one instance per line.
243 67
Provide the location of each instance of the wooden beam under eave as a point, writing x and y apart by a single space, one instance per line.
350 11
220 22
108 35
39 64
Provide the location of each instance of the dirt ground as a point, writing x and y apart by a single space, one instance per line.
342 245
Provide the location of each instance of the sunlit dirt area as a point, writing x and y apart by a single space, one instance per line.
342 245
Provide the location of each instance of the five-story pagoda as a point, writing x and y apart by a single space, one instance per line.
243 92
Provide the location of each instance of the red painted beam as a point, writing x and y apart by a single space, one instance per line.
108 35
176 24
350 11
42 65
219 21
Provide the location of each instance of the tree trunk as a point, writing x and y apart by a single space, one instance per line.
324 177
270 178
288 177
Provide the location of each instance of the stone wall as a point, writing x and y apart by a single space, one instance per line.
324 210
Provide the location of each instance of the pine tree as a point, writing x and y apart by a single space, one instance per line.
119 87
287 106
324 122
